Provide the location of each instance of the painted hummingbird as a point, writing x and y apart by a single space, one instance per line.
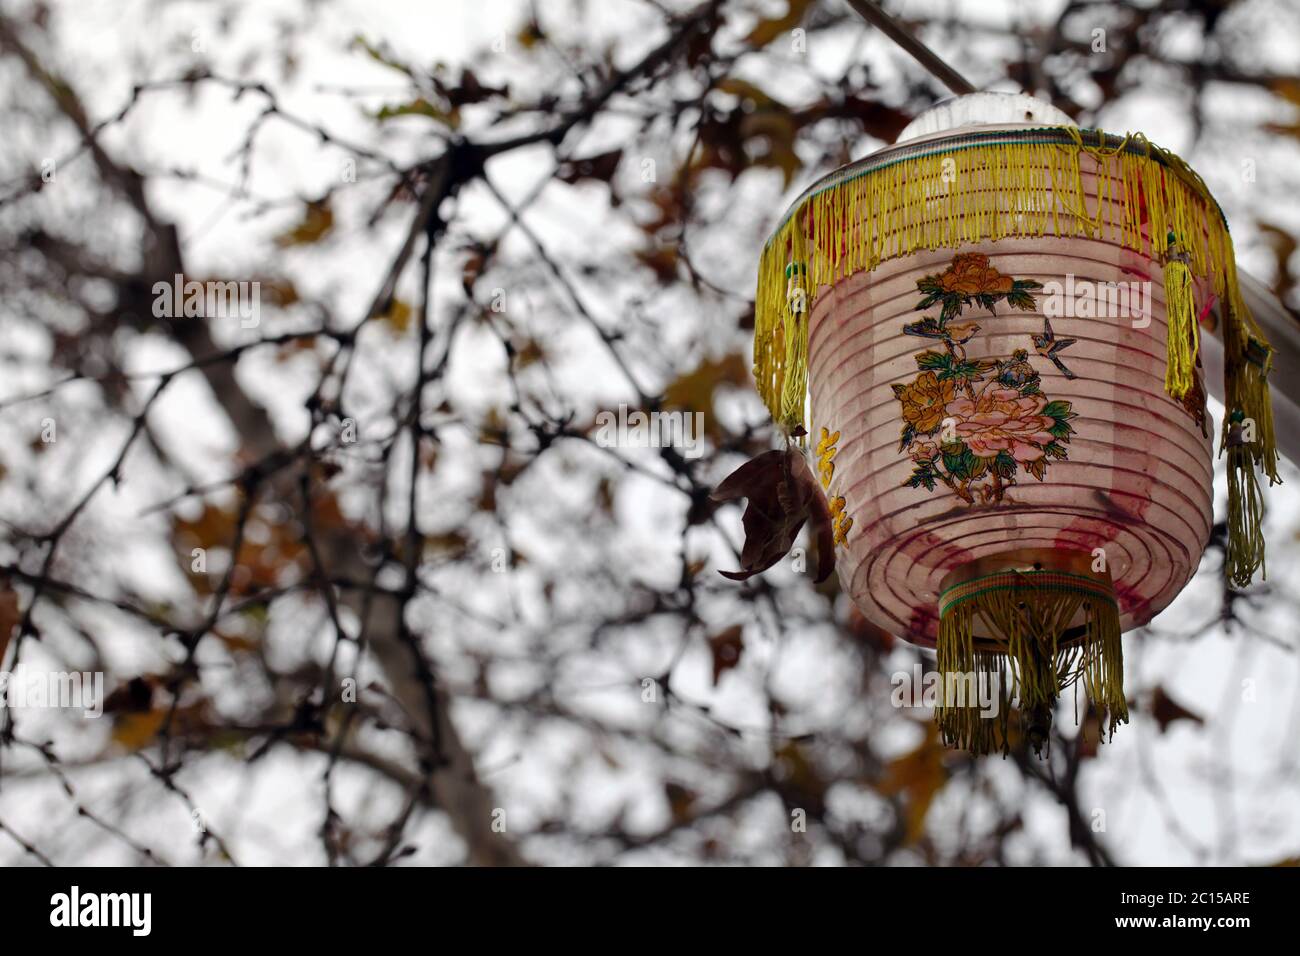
1048 345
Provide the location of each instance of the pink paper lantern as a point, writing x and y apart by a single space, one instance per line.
998 329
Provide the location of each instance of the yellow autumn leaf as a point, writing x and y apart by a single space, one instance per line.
769 30
135 731
398 316
917 777
317 221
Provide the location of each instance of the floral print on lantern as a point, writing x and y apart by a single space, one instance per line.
974 426
825 472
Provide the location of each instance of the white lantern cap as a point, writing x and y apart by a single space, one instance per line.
984 109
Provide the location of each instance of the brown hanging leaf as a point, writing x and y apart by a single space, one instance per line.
783 494
1289 89
727 646
600 167
797 778
471 90
529 35
1166 710
680 801
10 617
1284 246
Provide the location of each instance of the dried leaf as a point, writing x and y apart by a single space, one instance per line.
449 116
769 30
1166 710
693 392
1284 246
783 494
381 54
727 646
917 777
680 801
317 221
471 90
798 779
398 316
10 617
600 167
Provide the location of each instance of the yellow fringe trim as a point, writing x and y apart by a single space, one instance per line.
1028 658
1183 338
990 186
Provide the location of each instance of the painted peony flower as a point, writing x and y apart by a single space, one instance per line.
925 451
1001 419
924 400
971 274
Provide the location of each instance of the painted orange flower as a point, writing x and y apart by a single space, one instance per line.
924 400
1001 419
971 274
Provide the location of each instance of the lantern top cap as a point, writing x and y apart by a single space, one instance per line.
983 109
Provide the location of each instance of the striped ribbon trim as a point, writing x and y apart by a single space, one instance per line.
1041 581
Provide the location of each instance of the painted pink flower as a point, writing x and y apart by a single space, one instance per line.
1001 419
924 451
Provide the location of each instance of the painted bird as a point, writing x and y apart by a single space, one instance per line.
962 332
927 328
1048 345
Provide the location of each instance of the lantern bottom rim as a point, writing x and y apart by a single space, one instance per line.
1031 622
1021 577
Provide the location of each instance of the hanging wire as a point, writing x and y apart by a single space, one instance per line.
882 21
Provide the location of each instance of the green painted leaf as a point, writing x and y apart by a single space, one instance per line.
908 436
922 475
964 372
934 360
1061 431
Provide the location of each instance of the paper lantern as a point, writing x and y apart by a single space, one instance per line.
997 327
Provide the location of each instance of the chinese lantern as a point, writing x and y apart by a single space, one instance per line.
995 329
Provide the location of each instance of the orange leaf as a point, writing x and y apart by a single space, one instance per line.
769 30
916 776
317 220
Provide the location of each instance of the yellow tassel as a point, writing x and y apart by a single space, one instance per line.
1245 554
795 339
1044 632
1183 338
